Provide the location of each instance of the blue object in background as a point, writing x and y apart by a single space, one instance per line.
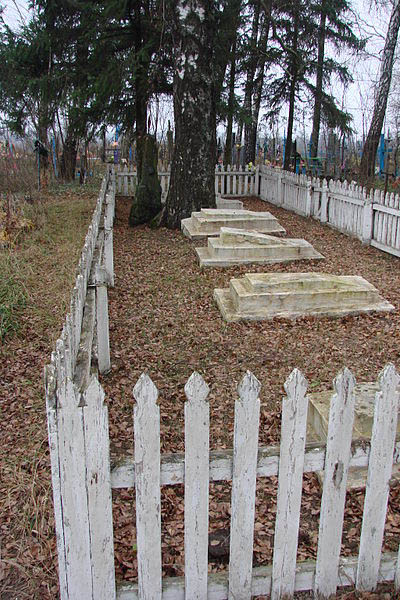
381 154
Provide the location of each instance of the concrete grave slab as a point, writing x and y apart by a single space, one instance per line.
233 203
236 246
208 222
259 296
317 426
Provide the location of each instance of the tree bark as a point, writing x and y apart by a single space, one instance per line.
318 85
259 81
231 100
249 87
294 67
68 157
193 163
367 166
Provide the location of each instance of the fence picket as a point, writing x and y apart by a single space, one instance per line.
291 462
73 493
95 416
148 500
50 383
379 473
247 416
197 425
338 452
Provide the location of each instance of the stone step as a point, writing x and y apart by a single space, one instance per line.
317 426
209 221
292 295
243 247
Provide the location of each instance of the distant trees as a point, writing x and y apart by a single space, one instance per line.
367 167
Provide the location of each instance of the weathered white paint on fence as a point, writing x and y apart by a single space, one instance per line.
247 416
50 383
103 337
371 217
291 464
174 588
96 437
197 425
379 473
338 452
221 461
76 525
148 502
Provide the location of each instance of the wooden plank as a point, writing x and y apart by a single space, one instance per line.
148 500
293 438
174 587
84 357
197 426
379 473
338 451
74 501
103 335
221 464
247 416
52 429
388 249
95 418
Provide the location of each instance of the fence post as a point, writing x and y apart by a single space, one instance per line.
309 196
148 494
108 239
103 338
379 472
247 417
280 195
324 202
367 221
98 486
291 463
338 453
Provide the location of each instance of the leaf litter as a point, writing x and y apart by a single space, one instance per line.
163 321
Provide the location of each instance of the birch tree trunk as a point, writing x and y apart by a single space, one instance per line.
367 167
193 162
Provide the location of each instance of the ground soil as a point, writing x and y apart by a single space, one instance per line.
164 321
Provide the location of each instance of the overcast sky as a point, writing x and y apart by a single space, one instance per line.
358 98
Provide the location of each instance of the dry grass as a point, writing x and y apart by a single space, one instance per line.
43 262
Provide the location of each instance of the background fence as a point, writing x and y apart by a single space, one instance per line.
372 217
82 477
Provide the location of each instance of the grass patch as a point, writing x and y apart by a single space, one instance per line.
12 296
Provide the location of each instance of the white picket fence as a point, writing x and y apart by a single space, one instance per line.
372 217
77 422
82 477
228 182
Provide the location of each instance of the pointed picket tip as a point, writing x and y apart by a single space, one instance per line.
249 388
344 383
388 377
145 392
94 394
196 389
294 383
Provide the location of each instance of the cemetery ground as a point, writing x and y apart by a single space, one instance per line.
163 321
